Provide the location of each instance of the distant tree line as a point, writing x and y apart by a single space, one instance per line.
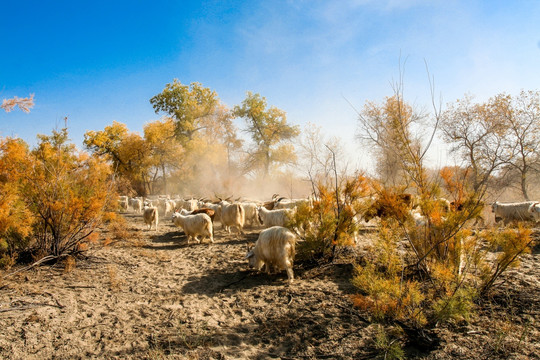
196 139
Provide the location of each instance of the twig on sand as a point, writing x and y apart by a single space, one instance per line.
31 306
320 356
234 282
352 311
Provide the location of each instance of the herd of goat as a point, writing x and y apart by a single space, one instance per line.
275 247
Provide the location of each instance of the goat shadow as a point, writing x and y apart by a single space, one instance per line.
168 241
238 279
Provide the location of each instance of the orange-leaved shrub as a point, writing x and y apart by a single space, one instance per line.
385 292
429 264
68 192
433 271
330 220
16 219
53 196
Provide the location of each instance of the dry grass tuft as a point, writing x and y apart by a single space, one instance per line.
137 242
115 282
108 241
69 264
118 228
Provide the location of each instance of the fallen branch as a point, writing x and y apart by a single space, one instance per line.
31 306
41 261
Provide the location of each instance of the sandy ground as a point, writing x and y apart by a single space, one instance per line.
153 296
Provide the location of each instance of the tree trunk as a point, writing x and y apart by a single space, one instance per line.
164 179
267 164
228 161
524 185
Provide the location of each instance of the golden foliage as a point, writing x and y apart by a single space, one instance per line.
269 130
388 296
509 245
189 105
68 191
126 151
52 194
330 220
16 220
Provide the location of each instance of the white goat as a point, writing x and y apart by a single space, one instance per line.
269 218
232 215
216 208
534 210
189 205
151 216
419 219
123 202
194 225
275 248
508 212
252 213
165 206
148 203
136 204
284 203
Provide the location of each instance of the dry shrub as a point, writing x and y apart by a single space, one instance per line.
329 221
51 197
444 269
68 191
109 216
509 244
6 261
387 296
118 228
388 345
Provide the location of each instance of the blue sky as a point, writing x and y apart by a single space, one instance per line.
100 61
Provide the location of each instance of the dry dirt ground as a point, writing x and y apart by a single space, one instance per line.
153 296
